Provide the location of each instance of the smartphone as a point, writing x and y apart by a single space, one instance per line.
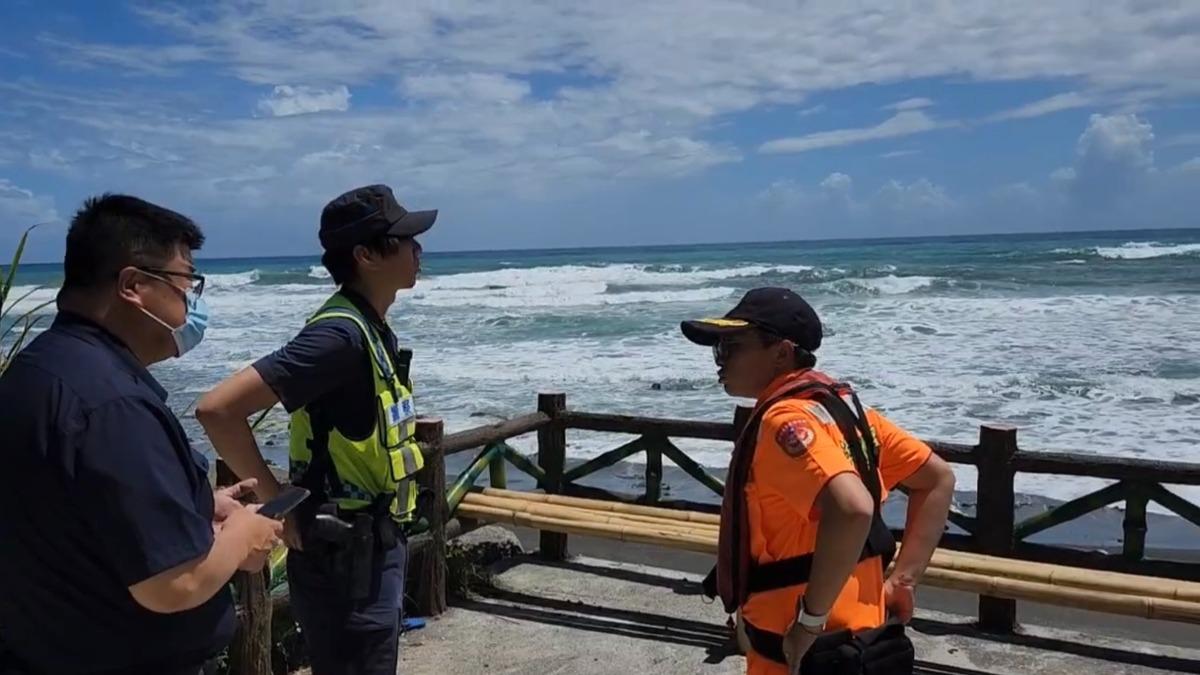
284 502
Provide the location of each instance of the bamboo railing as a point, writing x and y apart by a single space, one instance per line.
992 529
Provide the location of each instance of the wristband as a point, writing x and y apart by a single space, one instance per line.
809 621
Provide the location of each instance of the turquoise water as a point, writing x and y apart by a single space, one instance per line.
1088 341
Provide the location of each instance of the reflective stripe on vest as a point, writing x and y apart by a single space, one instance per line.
384 461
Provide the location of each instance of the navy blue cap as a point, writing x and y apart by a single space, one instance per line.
777 311
364 213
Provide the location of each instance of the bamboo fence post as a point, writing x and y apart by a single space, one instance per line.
995 515
498 472
430 588
250 651
552 456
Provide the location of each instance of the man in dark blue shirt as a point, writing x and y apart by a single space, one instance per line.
116 552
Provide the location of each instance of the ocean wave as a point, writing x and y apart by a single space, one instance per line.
235 280
617 275
1141 250
319 272
562 295
22 299
1134 250
888 285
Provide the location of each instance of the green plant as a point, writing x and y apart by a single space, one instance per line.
16 331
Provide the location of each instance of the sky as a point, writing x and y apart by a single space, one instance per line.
551 123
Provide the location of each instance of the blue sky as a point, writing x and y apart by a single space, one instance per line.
575 124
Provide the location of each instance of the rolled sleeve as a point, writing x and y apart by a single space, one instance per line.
797 456
139 499
900 453
321 358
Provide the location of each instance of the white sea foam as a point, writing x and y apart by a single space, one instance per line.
888 285
318 272
616 275
572 294
23 299
234 280
1136 250
1085 372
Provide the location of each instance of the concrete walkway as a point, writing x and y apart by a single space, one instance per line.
597 616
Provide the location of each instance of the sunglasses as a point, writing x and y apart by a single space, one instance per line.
724 350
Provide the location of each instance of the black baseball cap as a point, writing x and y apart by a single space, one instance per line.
777 311
364 213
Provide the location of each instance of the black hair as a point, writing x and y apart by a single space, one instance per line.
112 232
803 359
341 264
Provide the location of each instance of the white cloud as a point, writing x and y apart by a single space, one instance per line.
903 123
21 208
1111 157
910 104
1180 140
920 197
1192 164
833 204
1067 101
286 100
466 86
811 110
622 89
895 154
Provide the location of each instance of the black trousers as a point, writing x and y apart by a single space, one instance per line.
345 639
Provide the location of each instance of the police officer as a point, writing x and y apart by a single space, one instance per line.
802 549
116 552
345 382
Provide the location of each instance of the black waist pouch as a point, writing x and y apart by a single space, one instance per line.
885 650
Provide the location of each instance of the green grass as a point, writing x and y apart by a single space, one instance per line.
16 330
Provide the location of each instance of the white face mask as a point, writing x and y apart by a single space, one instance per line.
191 333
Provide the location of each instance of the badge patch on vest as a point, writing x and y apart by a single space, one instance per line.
401 412
795 437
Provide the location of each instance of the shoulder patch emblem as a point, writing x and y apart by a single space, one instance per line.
795 437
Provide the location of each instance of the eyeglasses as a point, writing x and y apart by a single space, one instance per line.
197 279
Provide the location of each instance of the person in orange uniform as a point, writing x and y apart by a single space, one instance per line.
803 550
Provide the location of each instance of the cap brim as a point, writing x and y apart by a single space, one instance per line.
413 223
708 331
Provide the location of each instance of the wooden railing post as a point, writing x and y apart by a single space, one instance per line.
552 456
995 515
250 651
654 474
1136 498
429 585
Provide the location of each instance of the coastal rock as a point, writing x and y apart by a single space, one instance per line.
485 546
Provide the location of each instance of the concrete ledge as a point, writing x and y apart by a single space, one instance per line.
597 616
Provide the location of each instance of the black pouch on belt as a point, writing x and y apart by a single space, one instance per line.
885 650
361 553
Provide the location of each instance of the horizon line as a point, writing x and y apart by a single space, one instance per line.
763 242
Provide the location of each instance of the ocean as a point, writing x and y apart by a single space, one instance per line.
1089 342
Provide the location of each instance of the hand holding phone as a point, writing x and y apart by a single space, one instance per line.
284 502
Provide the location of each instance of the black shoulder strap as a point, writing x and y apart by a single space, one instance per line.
321 477
856 431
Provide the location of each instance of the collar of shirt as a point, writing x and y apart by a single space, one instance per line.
89 331
367 310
